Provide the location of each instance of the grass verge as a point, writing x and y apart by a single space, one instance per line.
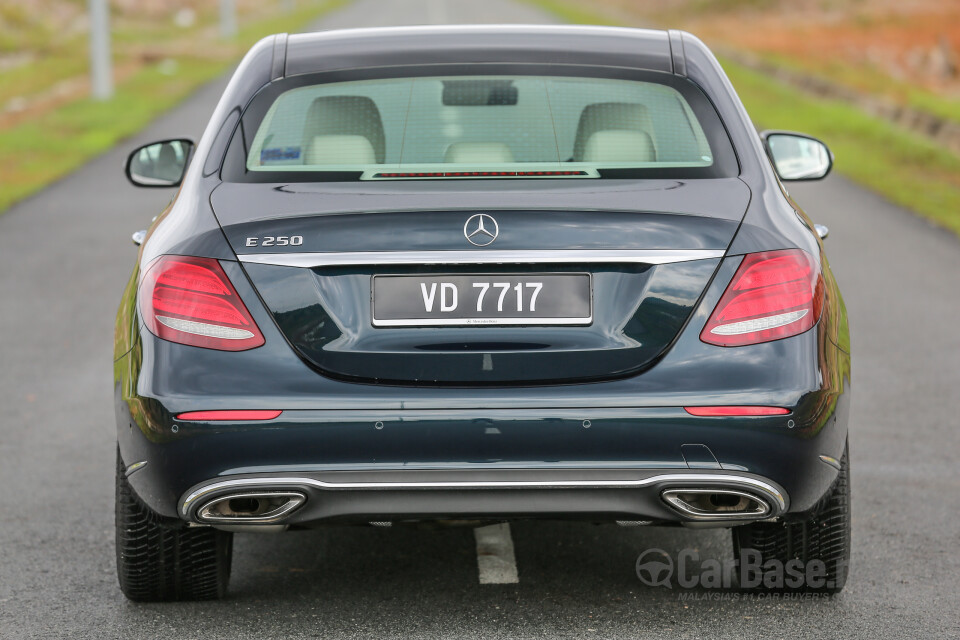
873 82
39 151
905 168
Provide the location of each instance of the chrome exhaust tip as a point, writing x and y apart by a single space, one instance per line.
717 504
250 507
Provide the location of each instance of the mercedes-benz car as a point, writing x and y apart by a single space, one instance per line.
479 274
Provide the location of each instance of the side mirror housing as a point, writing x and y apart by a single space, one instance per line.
159 164
797 156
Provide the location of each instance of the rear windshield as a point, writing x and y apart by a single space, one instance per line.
483 126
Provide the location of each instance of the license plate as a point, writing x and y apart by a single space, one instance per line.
482 299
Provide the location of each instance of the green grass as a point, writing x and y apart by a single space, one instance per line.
40 150
575 14
906 168
903 167
873 81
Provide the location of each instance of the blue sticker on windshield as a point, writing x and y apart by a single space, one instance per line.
277 154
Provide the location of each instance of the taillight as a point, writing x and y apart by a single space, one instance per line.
736 410
191 301
230 415
773 295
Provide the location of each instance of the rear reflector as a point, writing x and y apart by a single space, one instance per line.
191 301
232 415
773 295
736 411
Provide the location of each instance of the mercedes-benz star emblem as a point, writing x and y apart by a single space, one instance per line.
481 229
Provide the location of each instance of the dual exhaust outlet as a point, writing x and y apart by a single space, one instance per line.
717 503
251 507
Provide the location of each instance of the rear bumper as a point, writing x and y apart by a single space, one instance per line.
600 463
631 495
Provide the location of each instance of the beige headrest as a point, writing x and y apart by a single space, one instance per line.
339 150
345 116
604 116
478 153
617 145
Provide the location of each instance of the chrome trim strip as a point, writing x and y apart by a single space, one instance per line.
568 256
293 481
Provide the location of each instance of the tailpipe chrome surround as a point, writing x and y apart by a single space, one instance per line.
718 503
250 507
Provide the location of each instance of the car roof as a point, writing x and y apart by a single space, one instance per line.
477 44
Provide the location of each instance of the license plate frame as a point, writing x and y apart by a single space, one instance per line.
574 308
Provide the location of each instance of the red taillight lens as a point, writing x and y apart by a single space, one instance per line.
191 301
716 411
773 295
230 415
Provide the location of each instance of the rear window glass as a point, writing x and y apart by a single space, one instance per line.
484 126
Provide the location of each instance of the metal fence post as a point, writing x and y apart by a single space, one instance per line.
101 66
228 18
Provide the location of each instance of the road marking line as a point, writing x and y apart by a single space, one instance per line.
495 558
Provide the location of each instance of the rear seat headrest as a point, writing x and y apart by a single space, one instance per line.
604 116
478 152
339 150
619 145
345 116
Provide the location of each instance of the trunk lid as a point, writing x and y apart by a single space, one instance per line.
314 252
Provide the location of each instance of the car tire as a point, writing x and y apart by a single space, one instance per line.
822 536
159 560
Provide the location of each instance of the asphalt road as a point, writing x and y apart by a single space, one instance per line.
64 257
